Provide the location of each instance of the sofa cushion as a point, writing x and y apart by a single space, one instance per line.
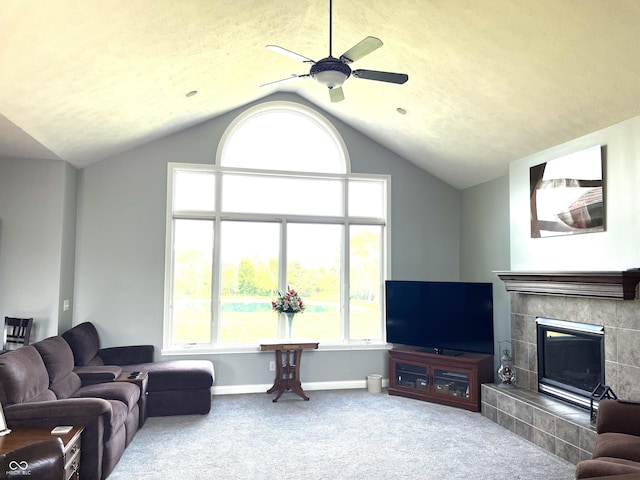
614 415
618 445
119 412
124 392
127 355
24 377
85 343
58 359
606 466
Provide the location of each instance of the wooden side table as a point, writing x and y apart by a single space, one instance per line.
21 437
288 357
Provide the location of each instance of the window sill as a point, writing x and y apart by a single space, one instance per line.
254 348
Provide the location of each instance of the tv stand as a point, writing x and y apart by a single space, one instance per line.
439 378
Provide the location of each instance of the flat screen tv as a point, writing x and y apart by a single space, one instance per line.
440 317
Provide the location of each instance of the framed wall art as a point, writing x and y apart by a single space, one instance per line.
567 194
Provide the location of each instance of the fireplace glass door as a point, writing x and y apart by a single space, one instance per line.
570 359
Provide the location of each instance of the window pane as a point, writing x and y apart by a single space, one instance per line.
365 314
281 195
249 281
192 260
283 139
313 269
366 198
194 191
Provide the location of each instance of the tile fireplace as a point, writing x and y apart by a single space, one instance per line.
606 301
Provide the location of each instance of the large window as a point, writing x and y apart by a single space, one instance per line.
278 209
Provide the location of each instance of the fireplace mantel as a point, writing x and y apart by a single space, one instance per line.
614 285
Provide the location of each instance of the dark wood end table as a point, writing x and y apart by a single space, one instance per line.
288 357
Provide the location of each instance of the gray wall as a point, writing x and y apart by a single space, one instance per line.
615 249
121 243
485 247
425 212
68 247
37 238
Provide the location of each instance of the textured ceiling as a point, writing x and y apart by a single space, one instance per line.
490 81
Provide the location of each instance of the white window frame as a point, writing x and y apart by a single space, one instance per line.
217 216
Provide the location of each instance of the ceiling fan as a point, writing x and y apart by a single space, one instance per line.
332 72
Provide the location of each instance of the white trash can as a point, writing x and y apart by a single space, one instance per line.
374 383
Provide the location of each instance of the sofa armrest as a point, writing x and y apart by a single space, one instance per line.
55 412
98 374
127 355
618 417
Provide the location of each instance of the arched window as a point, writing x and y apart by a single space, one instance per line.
283 136
280 209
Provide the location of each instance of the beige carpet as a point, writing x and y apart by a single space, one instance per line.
340 434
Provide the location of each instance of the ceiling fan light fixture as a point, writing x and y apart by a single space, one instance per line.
330 78
330 72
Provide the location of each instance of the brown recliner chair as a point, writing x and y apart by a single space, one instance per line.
42 460
617 450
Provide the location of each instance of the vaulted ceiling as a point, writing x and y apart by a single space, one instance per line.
490 81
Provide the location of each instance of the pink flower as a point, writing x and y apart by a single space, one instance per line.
290 302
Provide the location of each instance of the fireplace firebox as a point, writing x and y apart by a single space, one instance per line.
570 359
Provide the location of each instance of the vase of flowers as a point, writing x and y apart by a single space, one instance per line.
289 304
289 316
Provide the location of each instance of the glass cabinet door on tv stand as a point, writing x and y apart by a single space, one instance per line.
451 380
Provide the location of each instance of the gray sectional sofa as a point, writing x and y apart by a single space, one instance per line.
38 387
176 387
70 380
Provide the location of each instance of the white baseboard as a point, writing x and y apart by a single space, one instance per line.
307 386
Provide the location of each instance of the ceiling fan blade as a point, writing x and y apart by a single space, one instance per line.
389 77
289 53
336 94
365 47
288 79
